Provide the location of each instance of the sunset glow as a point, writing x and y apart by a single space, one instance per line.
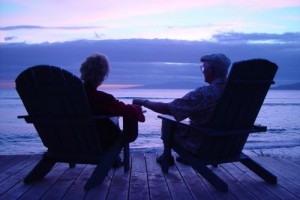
57 21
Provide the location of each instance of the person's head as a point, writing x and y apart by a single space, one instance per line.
214 66
94 70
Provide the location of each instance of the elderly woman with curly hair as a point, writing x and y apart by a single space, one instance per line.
94 70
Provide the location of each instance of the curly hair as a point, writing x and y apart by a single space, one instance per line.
94 70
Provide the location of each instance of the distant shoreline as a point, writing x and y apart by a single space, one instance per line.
295 86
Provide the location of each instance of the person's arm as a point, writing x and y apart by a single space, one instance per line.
126 110
159 107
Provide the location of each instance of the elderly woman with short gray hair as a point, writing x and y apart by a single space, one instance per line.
94 70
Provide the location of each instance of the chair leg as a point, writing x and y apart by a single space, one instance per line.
72 165
40 170
104 166
126 158
166 158
202 169
259 170
211 177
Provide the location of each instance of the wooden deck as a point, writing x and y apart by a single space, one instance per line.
146 181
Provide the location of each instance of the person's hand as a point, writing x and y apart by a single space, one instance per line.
139 101
140 113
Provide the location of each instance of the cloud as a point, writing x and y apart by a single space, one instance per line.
257 37
8 38
30 27
130 57
98 36
266 4
90 11
58 21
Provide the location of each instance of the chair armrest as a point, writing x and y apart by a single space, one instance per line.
259 128
22 116
204 131
212 132
27 118
130 126
63 120
99 117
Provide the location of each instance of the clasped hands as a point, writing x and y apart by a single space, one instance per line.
140 102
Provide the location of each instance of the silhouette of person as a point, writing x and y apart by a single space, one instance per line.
197 105
94 70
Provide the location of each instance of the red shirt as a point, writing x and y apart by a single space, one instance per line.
106 104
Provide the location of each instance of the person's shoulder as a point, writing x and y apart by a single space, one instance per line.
220 81
205 90
105 95
196 93
202 88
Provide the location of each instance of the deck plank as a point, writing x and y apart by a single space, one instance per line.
138 179
64 182
290 167
145 180
277 190
194 182
75 191
100 191
157 183
12 167
40 188
237 189
14 187
119 184
5 158
256 187
285 175
12 176
176 184
215 193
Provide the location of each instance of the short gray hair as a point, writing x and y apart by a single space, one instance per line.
95 69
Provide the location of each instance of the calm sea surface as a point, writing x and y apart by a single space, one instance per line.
280 112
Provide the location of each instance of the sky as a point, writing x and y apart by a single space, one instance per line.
56 31
39 21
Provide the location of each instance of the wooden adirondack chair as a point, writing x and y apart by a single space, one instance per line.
58 108
233 120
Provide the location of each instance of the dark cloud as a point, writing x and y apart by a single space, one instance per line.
99 36
30 27
9 38
258 37
134 56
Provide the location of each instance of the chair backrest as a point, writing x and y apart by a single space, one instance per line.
246 88
57 103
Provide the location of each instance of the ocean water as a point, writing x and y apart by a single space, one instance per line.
280 112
